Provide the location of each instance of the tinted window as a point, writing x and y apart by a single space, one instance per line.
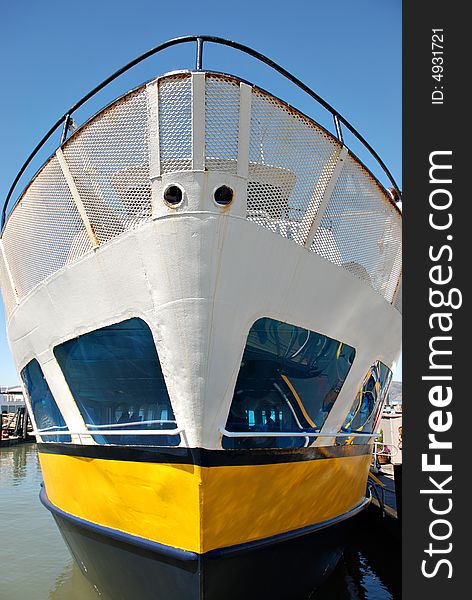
115 376
45 410
288 381
366 409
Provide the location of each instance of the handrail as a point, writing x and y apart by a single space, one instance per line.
48 432
200 40
383 452
128 424
237 434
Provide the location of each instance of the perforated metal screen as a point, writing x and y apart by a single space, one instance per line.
398 298
221 124
5 287
365 230
289 164
300 185
109 162
175 123
45 231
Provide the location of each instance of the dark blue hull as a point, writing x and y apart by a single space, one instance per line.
282 569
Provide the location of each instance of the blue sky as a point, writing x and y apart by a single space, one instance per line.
52 53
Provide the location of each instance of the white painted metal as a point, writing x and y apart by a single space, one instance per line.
154 146
323 192
11 283
245 95
200 274
77 199
198 121
200 280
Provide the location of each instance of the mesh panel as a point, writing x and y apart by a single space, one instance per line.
398 299
109 161
44 232
361 230
290 164
175 123
221 124
5 285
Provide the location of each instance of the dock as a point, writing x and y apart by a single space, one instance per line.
15 427
384 511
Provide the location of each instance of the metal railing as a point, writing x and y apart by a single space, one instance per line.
383 449
62 432
276 434
66 119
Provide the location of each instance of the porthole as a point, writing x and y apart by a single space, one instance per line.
173 195
223 195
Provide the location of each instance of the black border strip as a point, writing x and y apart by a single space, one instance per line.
203 457
187 555
171 551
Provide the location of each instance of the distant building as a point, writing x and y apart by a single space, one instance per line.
11 398
392 422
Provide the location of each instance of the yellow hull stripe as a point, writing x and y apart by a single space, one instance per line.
204 508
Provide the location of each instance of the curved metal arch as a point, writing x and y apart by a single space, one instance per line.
199 40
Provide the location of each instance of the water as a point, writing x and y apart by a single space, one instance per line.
35 562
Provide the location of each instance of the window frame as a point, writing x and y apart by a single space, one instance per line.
120 430
374 415
60 433
309 435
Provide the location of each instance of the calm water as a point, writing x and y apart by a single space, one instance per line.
35 563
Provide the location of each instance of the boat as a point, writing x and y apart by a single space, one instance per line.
202 288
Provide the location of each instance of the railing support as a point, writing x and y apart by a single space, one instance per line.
199 39
199 59
339 132
65 128
77 199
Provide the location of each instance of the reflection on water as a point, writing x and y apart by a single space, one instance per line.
72 585
364 573
35 562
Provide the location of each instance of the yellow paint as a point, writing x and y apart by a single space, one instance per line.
249 503
376 479
159 502
297 398
204 508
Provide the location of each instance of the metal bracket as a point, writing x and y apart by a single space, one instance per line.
154 144
10 276
76 197
245 100
198 121
322 194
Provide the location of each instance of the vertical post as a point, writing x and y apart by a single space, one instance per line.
244 133
321 195
199 59
339 132
65 128
9 273
198 121
154 143
18 421
397 478
25 423
77 199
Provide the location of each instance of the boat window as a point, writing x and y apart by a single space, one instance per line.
288 381
366 409
116 379
45 410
